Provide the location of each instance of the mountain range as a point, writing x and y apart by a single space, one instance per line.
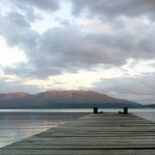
62 99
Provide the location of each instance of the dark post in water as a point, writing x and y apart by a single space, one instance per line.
95 110
125 110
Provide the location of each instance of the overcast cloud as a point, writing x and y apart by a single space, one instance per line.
139 88
68 48
115 9
17 86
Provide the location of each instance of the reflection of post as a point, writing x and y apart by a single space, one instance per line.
125 110
95 110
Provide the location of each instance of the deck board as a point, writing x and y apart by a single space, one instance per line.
97 134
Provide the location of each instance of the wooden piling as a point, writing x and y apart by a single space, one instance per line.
125 110
95 110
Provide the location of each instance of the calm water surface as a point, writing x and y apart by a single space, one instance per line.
19 124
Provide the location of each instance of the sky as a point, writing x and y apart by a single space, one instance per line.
104 46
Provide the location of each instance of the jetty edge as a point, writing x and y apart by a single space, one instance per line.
93 134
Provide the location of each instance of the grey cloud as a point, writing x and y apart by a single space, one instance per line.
32 71
17 18
28 7
140 88
59 83
61 50
50 5
13 26
64 22
67 49
114 9
17 86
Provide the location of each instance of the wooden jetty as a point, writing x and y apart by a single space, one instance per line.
94 134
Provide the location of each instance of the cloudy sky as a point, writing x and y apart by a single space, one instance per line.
105 46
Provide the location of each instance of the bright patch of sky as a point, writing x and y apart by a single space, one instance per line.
85 79
55 19
10 55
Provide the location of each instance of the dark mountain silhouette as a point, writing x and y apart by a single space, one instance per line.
63 99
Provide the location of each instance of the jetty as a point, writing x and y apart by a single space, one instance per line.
94 134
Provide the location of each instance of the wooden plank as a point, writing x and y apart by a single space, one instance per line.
84 143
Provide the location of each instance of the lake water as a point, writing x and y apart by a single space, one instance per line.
16 125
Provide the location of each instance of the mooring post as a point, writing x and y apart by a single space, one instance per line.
125 110
95 110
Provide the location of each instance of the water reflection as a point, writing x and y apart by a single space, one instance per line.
147 115
15 126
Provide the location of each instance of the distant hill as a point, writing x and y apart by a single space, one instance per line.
63 99
150 106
